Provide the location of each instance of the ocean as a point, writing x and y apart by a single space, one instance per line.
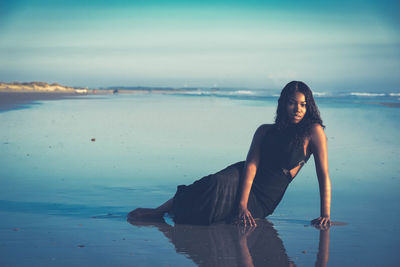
71 169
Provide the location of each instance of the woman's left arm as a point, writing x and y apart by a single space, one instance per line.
318 144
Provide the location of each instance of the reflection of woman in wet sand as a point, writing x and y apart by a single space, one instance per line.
230 245
253 189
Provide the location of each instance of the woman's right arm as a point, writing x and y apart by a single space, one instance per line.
249 173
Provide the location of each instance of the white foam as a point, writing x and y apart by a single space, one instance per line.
193 93
244 92
320 93
367 94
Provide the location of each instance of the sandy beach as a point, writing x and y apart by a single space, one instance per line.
12 100
17 95
64 198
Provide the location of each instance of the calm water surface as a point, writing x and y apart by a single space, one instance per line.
64 197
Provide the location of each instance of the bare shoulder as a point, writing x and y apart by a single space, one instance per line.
317 135
317 131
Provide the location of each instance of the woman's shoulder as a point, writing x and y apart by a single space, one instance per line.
260 134
316 128
263 129
317 132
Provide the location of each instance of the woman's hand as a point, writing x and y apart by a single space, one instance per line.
245 217
322 222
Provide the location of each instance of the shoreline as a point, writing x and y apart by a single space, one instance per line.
17 100
389 104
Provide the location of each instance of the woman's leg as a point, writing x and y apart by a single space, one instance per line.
166 206
147 213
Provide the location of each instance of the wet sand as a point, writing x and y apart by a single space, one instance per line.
13 100
390 104
64 198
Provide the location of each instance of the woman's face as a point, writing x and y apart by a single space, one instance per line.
296 107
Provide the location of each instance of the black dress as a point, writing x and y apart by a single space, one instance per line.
214 198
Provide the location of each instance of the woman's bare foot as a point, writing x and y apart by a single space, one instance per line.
145 214
156 222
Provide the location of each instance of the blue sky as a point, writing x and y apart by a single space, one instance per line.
341 45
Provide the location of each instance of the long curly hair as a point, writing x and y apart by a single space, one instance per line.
302 129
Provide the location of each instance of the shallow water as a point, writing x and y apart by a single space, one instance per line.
63 197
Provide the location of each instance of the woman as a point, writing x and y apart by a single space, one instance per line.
253 189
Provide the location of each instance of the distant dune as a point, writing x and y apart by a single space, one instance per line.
40 87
